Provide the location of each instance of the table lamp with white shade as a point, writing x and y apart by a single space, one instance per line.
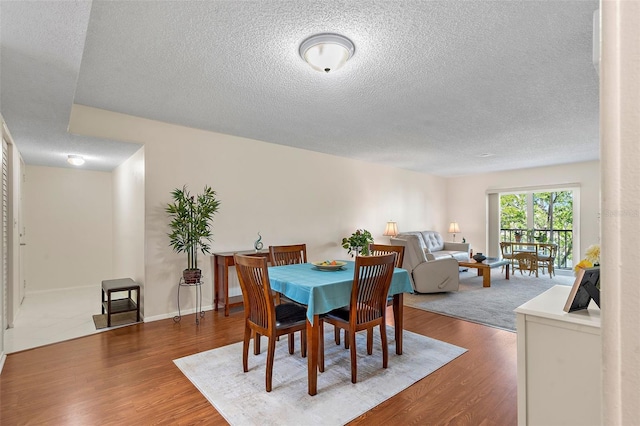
391 229
454 229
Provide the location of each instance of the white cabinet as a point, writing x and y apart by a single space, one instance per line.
559 362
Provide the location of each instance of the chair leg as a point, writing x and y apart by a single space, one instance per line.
292 345
354 365
385 345
245 348
256 344
270 355
336 335
369 341
303 343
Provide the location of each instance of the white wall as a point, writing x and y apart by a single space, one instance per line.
620 153
128 220
68 218
469 191
289 195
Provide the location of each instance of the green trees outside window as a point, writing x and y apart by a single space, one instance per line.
543 217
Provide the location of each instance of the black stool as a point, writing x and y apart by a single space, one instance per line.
115 306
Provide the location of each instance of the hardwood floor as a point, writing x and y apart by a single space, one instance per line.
126 376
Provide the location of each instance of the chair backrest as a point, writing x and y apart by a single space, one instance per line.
526 261
288 255
378 249
548 249
256 290
371 282
506 248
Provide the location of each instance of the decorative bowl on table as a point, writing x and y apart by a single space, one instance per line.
479 257
329 265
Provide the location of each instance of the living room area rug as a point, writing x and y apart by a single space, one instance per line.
241 397
491 306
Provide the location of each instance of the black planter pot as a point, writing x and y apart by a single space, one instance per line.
191 276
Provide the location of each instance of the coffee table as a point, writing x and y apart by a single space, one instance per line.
484 268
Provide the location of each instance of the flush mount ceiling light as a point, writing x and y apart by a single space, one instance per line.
326 52
76 160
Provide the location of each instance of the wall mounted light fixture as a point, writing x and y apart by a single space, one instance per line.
326 52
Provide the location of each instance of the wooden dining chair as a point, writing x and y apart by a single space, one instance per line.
367 308
547 257
288 255
379 249
262 316
527 262
506 251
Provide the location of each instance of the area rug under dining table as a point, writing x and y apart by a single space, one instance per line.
242 400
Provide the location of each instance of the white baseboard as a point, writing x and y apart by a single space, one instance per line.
61 289
183 313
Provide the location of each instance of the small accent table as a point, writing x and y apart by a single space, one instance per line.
112 306
484 268
221 262
198 286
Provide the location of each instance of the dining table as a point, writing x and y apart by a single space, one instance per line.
324 290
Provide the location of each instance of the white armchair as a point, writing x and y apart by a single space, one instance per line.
428 276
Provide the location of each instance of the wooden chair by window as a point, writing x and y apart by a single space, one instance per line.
506 250
546 257
527 262
287 255
367 309
262 316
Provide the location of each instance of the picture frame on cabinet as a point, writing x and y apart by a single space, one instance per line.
585 288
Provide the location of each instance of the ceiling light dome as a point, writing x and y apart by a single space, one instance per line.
326 52
76 160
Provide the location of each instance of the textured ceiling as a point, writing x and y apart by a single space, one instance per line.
432 86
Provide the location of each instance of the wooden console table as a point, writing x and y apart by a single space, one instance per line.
220 265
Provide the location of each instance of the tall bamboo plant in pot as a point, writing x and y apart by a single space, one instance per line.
191 217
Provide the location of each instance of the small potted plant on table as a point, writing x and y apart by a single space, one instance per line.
190 225
358 242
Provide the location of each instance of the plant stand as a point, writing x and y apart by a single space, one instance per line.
198 289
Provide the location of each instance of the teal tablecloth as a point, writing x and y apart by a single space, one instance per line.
323 291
